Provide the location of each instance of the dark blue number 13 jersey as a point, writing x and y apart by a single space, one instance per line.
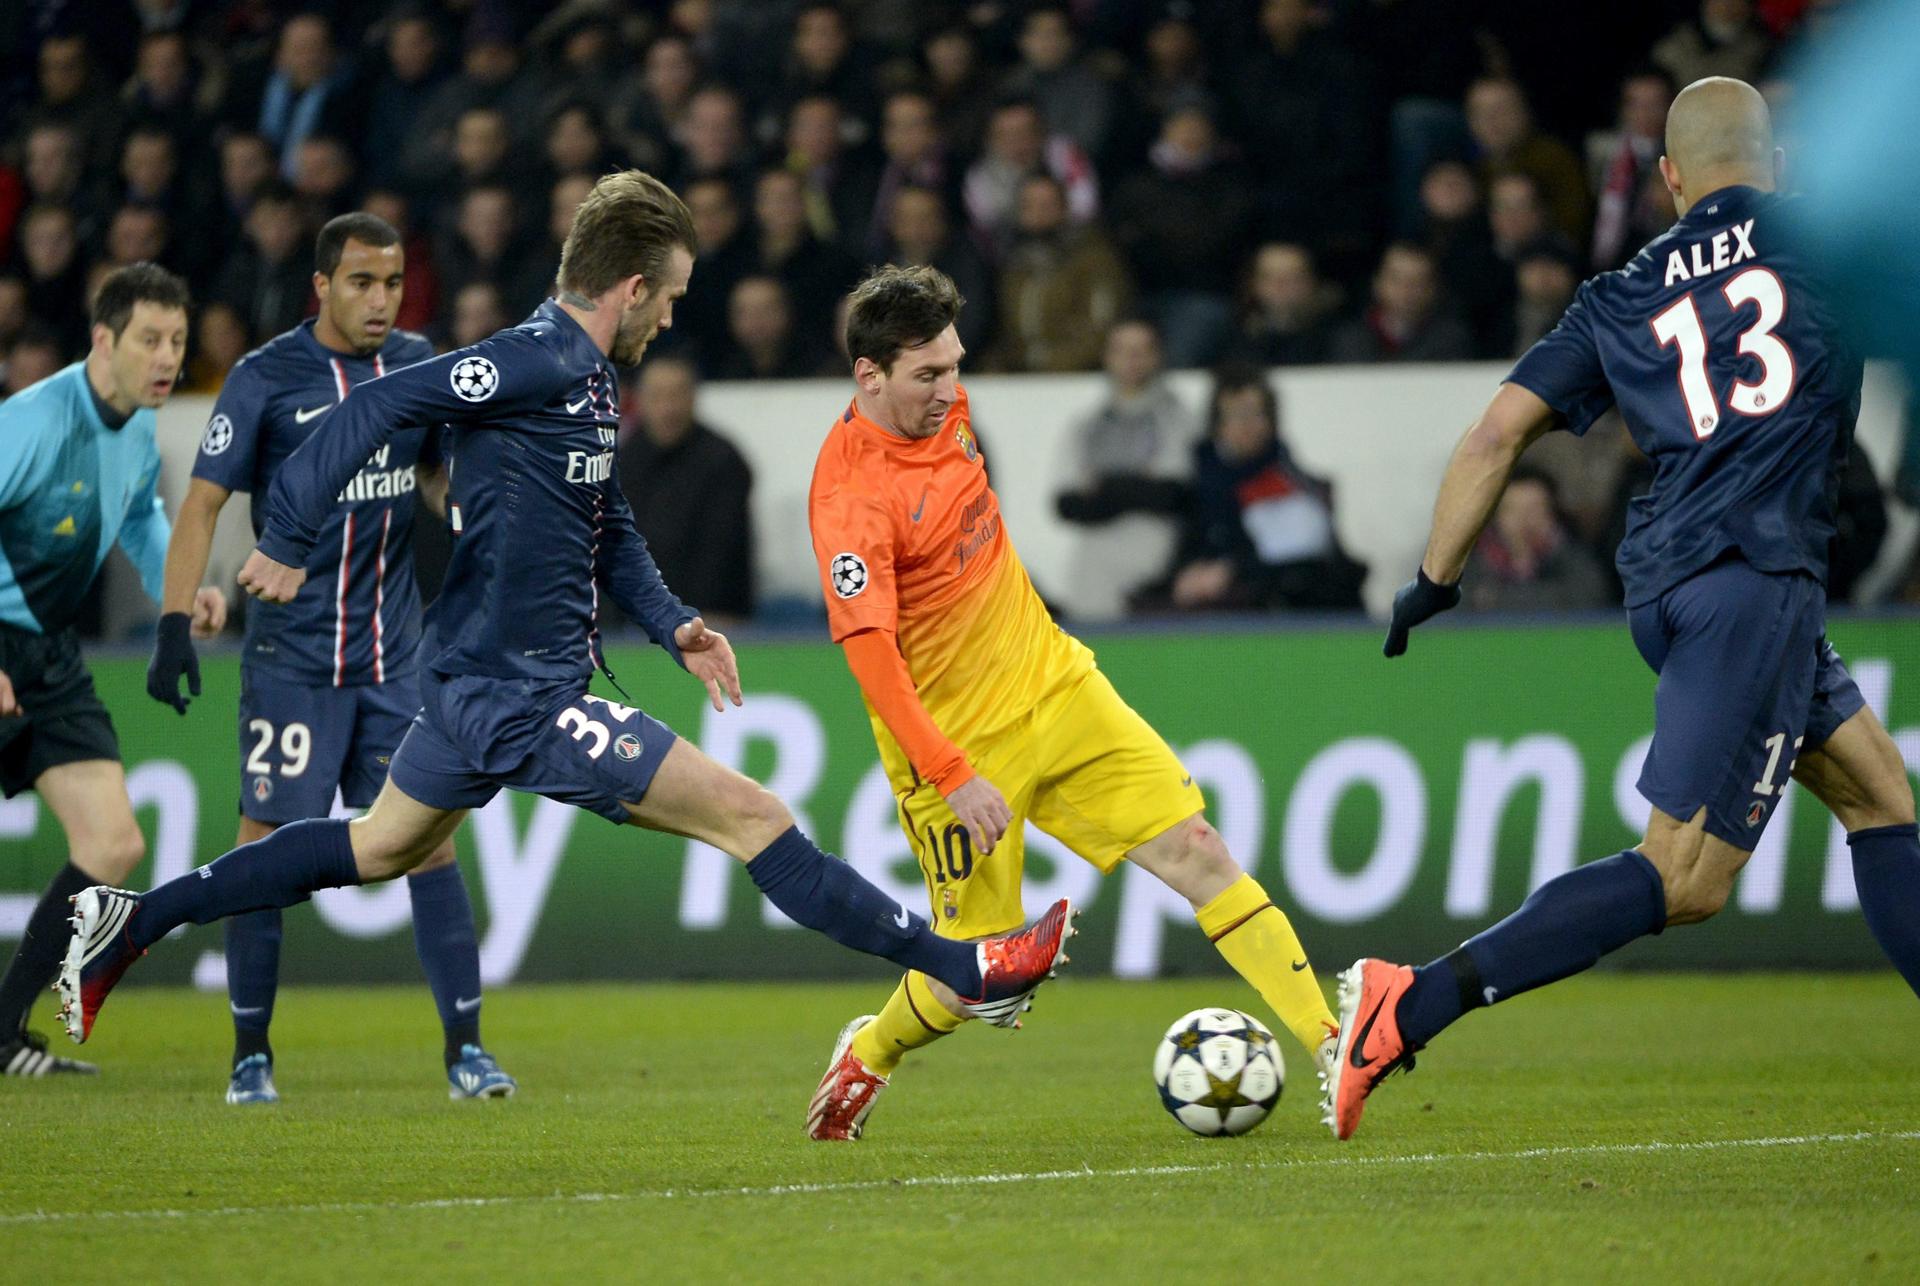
1718 346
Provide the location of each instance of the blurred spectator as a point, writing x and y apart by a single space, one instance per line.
822 63
1018 145
1527 559
765 344
724 255
420 280
580 52
563 202
815 273
916 156
577 142
712 141
1623 170
219 340
922 235
70 92
483 150
1286 319
14 313
398 98
651 111
150 175
1516 214
169 89
1061 286
1124 450
323 175
690 490
1406 322
1456 231
1183 224
490 75
138 232
1502 128
1175 71
485 246
478 311
1258 531
37 354
56 279
1303 100
1722 39
1545 276
839 184
265 277
306 91
55 171
1072 97
962 92
246 166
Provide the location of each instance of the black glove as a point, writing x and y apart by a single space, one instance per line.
172 657
1418 600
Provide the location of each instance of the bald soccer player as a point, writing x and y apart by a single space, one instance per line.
1718 347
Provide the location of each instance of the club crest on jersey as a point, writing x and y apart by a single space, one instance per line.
474 379
848 574
262 789
627 746
218 437
964 436
1756 813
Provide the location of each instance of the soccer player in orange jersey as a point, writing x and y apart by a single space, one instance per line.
988 714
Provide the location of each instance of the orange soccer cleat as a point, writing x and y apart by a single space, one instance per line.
1370 1041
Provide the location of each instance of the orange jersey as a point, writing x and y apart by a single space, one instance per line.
908 538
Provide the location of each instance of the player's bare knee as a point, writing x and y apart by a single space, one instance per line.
112 857
758 817
440 857
1203 853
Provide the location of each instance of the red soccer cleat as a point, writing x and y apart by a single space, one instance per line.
100 953
847 1092
1012 966
1370 1041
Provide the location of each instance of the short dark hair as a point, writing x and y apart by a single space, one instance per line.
367 229
137 283
897 308
1235 377
630 223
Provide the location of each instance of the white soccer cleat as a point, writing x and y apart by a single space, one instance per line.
846 1093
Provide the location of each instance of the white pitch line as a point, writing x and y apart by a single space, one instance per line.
972 1180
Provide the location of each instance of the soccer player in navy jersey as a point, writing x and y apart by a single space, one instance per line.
540 526
1720 348
328 682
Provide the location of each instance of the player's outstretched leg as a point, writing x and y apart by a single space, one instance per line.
693 795
449 949
1245 926
1388 1012
114 927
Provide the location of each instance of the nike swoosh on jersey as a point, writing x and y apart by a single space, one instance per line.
903 919
301 417
573 408
1299 966
921 507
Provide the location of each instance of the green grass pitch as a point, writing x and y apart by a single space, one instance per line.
1618 1127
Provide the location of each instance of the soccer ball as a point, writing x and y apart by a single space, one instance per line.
1219 1071
474 379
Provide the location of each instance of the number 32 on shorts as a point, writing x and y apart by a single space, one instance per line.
583 727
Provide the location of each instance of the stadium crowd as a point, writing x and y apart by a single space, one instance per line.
1252 182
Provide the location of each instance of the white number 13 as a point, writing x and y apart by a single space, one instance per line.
1680 325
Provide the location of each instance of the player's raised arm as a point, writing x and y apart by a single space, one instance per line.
489 381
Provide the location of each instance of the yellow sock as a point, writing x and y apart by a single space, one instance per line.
1258 940
911 1018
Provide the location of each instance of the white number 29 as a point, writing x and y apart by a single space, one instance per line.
296 748
1680 325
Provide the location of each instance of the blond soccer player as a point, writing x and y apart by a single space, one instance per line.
987 714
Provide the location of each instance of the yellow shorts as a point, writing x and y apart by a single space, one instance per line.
1084 768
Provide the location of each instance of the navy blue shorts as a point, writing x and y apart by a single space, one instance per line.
475 735
299 742
1747 682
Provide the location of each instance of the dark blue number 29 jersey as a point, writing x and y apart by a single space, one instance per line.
1718 346
357 618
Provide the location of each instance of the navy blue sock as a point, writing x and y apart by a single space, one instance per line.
449 950
827 895
1562 928
253 979
279 871
1886 872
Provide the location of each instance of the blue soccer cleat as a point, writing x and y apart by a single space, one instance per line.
252 1081
476 1075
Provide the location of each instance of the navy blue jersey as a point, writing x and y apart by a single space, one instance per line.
357 618
1720 349
538 518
